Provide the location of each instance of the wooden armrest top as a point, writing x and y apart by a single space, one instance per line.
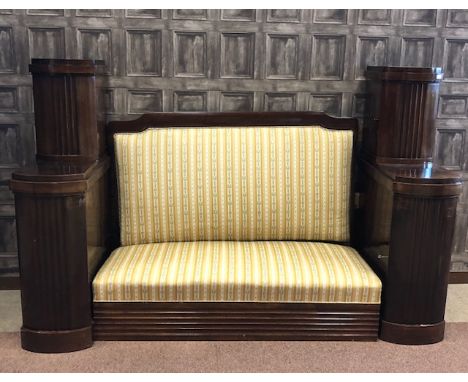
417 179
420 174
58 176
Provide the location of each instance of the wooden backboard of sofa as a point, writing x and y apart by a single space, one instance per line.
224 226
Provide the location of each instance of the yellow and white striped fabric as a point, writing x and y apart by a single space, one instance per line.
233 271
249 183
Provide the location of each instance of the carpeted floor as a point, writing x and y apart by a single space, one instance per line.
451 355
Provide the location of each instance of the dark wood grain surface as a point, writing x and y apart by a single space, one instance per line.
66 109
408 222
400 113
235 321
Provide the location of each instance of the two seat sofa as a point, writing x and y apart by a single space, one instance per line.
253 215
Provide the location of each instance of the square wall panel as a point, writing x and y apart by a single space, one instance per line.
450 148
284 15
236 101
456 59
280 102
237 55
190 54
96 44
370 51
238 14
457 18
143 13
8 100
328 54
46 43
190 101
190 14
144 51
141 101
7 52
453 106
417 51
420 17
326 103
9 145
375 16
331 16
281 56
94 12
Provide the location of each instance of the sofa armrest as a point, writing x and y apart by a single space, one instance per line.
408 225
61 210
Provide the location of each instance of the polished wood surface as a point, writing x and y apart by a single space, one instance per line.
400 113
66 109
409 205
63 66
458 278
55 293
408 225
202 119
235 321
61 207
62 240
407 334
56 341
58 177
419 259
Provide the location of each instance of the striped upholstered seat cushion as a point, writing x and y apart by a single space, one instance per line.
259 271
251 183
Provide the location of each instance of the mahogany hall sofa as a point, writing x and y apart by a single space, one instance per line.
222 226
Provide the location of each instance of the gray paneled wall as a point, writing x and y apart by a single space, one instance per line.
232 60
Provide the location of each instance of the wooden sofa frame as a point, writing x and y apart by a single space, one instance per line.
67 224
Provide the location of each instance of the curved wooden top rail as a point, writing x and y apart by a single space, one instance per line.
203 119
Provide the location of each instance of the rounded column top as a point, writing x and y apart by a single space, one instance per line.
64 66
405 73
424 180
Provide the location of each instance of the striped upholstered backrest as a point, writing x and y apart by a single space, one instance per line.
251 183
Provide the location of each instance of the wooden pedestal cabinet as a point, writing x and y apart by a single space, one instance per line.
60 206
409 204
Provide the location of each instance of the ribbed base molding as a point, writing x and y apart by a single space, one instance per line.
235 321
412 334
62 341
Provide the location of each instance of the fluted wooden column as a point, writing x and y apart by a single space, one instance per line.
422 228
401 110
67 115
